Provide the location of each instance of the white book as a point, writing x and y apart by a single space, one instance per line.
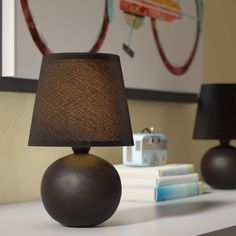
162 193
156 171
150 181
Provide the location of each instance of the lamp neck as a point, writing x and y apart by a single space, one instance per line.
224 142
81 149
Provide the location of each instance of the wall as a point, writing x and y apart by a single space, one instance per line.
21 167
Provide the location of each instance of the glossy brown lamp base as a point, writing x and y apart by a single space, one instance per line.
81 190
218 166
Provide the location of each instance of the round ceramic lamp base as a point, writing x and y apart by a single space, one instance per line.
81 190
218 167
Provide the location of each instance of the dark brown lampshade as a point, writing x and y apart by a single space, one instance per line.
216 114
81 102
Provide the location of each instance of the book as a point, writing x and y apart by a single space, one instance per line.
162 193
164 170
150 181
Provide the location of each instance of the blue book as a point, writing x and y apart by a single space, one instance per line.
161 193
175 191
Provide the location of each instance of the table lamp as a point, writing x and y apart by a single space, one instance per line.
216 119
80 102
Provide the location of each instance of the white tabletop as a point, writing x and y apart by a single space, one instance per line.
189 216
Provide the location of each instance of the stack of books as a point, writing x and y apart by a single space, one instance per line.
159 183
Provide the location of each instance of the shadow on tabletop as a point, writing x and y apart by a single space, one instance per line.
150 212
161 210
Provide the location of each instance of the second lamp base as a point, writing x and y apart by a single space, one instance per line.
218 167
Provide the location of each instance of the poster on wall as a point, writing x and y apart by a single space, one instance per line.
160 42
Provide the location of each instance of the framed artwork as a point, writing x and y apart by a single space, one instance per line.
159 42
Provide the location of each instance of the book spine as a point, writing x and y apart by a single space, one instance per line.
181 170
158 181
169 192
151 172
178 179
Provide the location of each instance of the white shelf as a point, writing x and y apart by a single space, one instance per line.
189 216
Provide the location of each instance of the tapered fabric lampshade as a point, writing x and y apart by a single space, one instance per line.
216 114
81 102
